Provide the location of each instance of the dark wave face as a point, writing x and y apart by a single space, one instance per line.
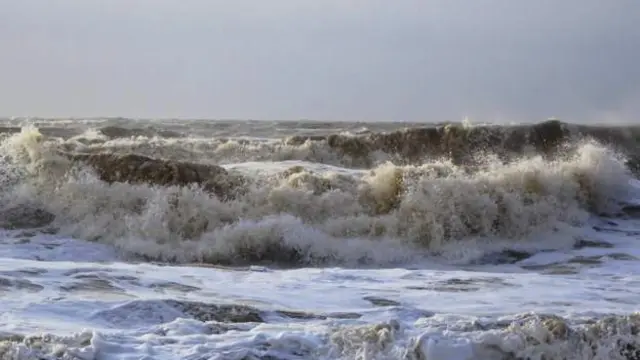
353 145
310 193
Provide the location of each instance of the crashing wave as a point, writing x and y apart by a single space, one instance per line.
518 187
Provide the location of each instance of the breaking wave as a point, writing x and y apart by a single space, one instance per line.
520 337
310 199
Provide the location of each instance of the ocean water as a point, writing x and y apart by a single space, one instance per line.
140 239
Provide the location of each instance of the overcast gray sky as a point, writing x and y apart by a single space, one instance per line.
500 60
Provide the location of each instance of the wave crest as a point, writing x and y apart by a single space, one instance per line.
181 211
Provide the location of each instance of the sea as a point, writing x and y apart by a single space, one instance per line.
266 240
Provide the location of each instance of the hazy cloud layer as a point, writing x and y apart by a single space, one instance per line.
425 60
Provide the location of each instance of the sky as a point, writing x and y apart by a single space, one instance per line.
358 60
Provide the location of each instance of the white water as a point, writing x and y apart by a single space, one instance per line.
74 299
41 281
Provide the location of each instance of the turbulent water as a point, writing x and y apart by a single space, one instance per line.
141 239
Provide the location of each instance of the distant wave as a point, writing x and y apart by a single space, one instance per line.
357 148
399 195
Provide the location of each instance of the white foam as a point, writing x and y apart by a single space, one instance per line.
81 300
320 213
270 168
429 303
